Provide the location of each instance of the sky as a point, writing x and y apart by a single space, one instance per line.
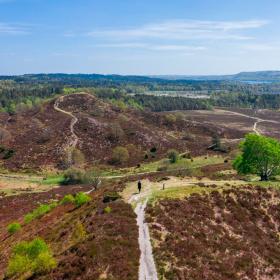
143 37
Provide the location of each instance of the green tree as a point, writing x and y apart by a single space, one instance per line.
260 155
173 156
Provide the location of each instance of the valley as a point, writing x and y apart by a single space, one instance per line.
191 218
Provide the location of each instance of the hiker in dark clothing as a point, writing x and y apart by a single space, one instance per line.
139 186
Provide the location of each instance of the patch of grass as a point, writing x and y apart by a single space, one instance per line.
69 198
81 198
13 227
29 258
39 212
178 192
53 180
181 163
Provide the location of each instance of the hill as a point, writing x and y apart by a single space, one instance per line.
44 137
257 76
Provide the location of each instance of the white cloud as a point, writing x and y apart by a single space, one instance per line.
155 47
184 29
13 29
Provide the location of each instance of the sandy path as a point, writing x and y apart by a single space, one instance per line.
73 141
147 268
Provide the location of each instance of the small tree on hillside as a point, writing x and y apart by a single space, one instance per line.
260 155
173 156
120 155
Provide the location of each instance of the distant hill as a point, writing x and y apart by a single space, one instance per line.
90 79
258 76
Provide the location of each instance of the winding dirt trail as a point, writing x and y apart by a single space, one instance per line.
257 120
73 141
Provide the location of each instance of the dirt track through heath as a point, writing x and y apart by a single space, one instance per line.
257 119
147 268
73 141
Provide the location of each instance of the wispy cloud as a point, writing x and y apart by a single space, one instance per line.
13 29
155 47
266 47
184 29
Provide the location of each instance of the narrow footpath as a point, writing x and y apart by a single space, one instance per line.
73 142
147 268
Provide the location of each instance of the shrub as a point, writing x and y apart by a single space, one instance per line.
107 210
173 156
78 176
120 155
73 176
13 227
170 119
39 212
30 257
79 233
8 154
111 196
69 198
81 198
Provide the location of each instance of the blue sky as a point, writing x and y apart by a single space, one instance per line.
139 37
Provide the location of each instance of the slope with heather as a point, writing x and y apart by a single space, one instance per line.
233 234
88 242
39 138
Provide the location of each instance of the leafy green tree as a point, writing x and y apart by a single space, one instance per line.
260 155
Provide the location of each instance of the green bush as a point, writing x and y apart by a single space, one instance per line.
73 176
173 156
30 257
120 155
108 210
81 198
69 198
13 227
79 176
39 212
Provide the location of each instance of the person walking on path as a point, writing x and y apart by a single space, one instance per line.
139 186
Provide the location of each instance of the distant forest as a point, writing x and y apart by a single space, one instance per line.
21 92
